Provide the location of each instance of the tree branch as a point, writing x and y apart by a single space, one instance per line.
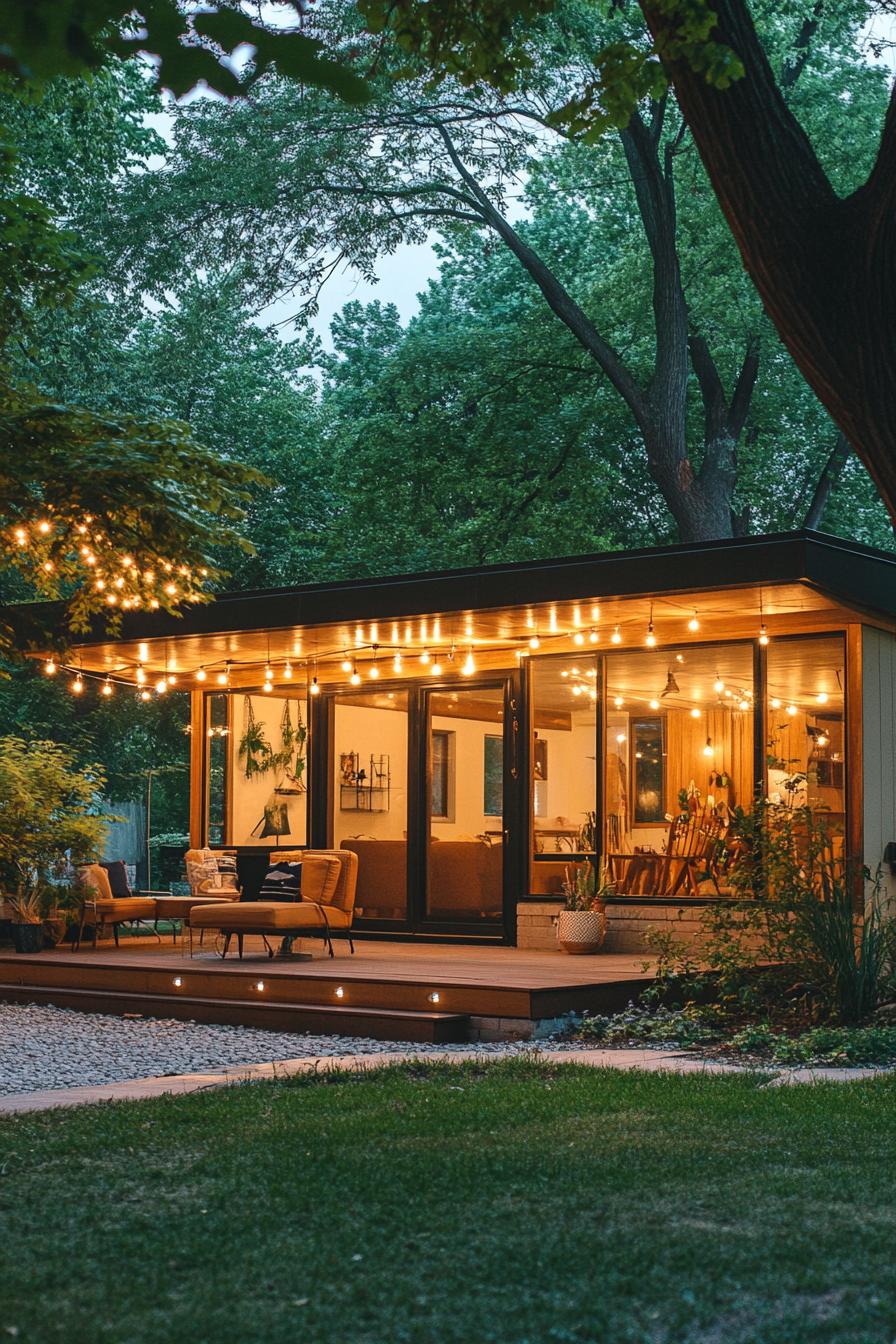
556 296
827 481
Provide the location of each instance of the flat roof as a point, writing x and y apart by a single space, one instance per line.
857 575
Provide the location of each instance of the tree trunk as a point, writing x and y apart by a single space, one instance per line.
824 267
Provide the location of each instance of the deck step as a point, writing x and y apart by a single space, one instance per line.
382 1024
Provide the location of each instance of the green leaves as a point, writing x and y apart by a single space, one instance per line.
46 38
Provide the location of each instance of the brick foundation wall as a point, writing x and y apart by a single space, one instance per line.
626 924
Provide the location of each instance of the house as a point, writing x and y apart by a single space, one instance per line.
473 733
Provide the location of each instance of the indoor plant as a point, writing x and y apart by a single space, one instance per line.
582 924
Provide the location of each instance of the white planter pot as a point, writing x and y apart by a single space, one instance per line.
581 931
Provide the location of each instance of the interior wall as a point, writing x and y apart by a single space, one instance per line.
369 731
469 819
249 796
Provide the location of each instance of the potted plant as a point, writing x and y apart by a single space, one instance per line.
582 924
50 821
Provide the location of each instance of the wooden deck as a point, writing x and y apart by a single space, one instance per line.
394 991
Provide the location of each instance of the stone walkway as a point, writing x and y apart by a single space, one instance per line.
650 1060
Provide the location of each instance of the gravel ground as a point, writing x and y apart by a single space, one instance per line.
44 1047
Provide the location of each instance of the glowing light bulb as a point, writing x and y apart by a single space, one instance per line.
693 623
78 684
355 677
577 689
44 526
435 997
315 689
593 637
620 738
339 992
616 637
145 695
534 642
654 704
578 638
822 697
436 668
267 687
177 982
775 704
396 663
287 671
792 710
50 667
201 675
763 634
695 713
161 685
112 599
718 685
171 679
707 750
374 672
650 639
469 666
822 739
619 702
171 589
107 687
425 657
743 705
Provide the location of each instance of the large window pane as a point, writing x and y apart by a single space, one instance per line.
678 742
268 748
563 774
370 796
806 743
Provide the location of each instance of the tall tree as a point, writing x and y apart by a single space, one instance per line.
294 183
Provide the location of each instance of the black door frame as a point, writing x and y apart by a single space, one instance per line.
322 791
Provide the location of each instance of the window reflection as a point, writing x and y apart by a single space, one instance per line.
563 776
805 718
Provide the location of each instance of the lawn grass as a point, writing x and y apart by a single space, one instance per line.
457 1205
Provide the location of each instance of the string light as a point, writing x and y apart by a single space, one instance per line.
223 678
619 702
763 634
822 697
287 671
775 703
201 675
616 637
650 640
694 624
355 678
707 750
593 636
161 685
396 663
534 642
315 688
822 739
695 713
469 666
346 664
50 667
654 704
792 711
578 638
436 668
425 657
107 687
145 695
78 684
718 685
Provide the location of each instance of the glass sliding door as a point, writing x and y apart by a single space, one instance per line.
466 829
370 798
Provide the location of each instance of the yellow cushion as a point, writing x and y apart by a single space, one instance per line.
94 876
252 916
125 907
320 876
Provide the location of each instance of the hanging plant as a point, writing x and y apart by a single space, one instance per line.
291 756
255 752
